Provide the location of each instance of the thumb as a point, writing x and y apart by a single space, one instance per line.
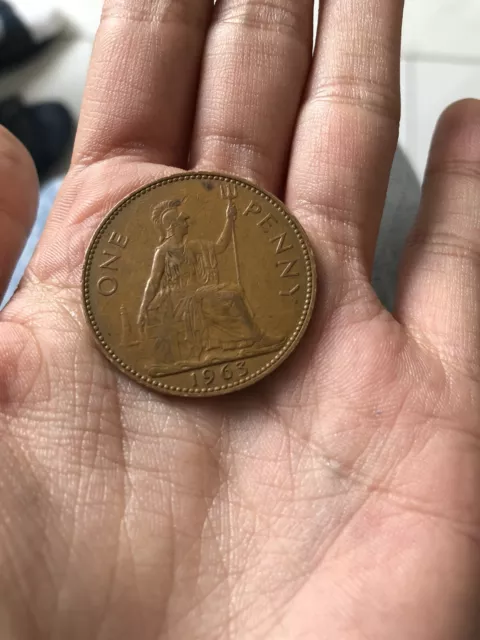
18 203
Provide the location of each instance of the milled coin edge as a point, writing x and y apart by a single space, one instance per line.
274 363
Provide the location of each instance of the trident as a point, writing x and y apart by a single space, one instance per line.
229 191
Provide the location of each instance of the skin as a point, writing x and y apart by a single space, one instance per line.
339 498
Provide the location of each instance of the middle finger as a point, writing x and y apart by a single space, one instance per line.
257 59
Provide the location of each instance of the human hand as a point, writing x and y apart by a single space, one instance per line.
338 498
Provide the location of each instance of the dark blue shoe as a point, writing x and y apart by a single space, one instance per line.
46 130
25 34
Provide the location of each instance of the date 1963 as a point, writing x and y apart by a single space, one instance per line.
220 374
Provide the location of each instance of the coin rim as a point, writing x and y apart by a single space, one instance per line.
262 372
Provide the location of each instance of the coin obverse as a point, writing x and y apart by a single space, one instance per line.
199 284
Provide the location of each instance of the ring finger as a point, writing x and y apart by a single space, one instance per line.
347 134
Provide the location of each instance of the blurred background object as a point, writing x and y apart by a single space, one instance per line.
27 29
401 209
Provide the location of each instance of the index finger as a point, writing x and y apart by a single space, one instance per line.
142 83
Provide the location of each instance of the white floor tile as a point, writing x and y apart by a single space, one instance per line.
429 87
84 15
445 28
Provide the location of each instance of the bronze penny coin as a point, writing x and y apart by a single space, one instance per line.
199 284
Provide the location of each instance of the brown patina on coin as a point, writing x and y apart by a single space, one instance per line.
199 285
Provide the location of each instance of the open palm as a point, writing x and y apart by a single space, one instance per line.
337 499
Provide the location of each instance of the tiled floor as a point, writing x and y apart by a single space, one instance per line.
441 63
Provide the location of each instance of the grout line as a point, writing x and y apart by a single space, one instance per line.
441 58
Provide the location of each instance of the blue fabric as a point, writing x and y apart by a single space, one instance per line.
47 198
